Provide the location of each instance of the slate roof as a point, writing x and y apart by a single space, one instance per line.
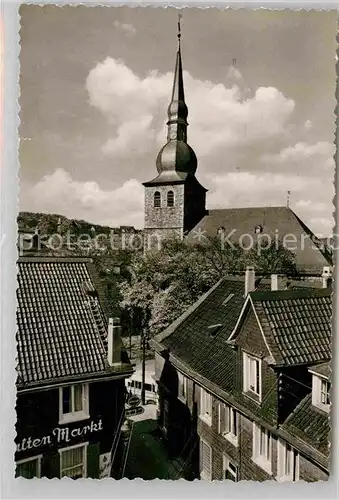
309 424
198 340
61 330
296 324
203 348
280 221
324 369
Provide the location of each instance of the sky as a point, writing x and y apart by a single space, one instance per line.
96 82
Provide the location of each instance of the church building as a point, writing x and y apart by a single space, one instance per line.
175 201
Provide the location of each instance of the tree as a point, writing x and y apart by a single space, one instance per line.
165 282
272 258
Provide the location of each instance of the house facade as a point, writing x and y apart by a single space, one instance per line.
71 369
244 383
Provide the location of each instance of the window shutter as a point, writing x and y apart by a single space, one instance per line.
93 451
315 390
209 403
255 440
222 418
280 458
205 458
50 466
245 373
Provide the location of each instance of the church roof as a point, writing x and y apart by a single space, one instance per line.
167 177
279 223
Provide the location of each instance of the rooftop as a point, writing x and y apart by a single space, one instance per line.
324 370
296 324
276 222
310 425
61 330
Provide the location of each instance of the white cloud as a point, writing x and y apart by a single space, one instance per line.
230 127
59 193
309 199
222 116
312 159
129 29
308 125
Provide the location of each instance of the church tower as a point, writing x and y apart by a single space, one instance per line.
174 199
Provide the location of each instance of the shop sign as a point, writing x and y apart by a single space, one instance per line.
137 410
59 435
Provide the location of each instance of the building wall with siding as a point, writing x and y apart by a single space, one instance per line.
251 341
241 455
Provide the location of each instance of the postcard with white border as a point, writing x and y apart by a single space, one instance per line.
175 243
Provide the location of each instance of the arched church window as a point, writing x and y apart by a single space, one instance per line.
157 199
170 199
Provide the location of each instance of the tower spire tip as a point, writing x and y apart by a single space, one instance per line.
179 27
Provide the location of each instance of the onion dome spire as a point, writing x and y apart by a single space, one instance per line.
177 155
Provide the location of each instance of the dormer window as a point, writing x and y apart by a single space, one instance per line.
321 393
170 199
157 200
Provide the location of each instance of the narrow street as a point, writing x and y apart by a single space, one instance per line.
145 454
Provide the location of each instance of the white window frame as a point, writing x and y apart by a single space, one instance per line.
31 459
207 476
226 461
287 452
69 448
317 392
229 429
74 416
262 436
182 387
205 410
250 375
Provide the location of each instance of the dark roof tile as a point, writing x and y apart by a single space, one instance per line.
296 324
61 332
309 424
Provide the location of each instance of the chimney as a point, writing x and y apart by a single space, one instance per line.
278 282
114 341
326 276
249 280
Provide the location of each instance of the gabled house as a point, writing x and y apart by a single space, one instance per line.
71 370
235 382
